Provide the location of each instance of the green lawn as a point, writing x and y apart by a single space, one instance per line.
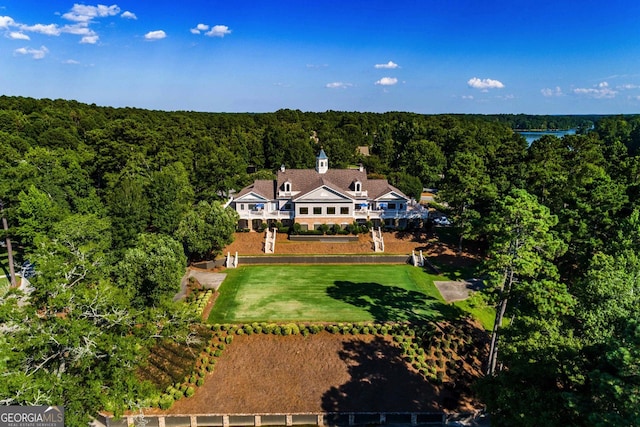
331 293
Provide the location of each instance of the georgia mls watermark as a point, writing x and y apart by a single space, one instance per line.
31 416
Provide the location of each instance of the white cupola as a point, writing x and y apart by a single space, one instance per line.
322 162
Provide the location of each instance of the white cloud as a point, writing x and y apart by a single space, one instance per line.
627 87
35 53
484 84
128 15
84 13
71 62
18 35
338 85
317 66
155 35
218 31
469 97
548 92
6 21
48 30
387 81
388 65
199 28
89 39
601 90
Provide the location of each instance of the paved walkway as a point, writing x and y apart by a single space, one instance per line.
458 290
207 279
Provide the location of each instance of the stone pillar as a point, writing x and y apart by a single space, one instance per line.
161 422
193 420
257 420
414 419
225 421
130 421
289 420
320 420
352 419
383 419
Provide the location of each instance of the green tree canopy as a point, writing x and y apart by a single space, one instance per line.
207 229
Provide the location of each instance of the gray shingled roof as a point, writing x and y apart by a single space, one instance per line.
262 187
342 180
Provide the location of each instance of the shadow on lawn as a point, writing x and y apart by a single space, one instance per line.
380 381
392 303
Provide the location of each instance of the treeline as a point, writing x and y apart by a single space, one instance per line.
110 202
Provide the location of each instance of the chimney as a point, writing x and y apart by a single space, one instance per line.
282 167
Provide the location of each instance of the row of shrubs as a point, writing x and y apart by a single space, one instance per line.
324 229
433 362
201 301
306 329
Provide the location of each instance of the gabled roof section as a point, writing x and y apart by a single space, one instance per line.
379 188
322 155
260 189
392 195
323 193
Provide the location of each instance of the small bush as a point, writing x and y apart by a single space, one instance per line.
210 368
257 329
217 353
166 401
248 329
190 392
178 394
200 382
228 339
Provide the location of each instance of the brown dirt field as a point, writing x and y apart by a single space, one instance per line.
318 373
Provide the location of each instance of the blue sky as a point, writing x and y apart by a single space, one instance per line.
424 56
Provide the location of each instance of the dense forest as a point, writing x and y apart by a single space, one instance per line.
110 203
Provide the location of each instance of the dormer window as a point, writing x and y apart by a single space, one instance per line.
287 187
358 186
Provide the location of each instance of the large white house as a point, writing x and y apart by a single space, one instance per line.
312 197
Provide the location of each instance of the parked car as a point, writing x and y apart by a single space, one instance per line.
443 220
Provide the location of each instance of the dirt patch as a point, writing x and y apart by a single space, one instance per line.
318 373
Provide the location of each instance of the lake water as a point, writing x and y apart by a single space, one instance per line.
533 135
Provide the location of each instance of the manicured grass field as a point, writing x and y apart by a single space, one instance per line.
331 293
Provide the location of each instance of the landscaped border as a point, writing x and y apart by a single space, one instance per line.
438 351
